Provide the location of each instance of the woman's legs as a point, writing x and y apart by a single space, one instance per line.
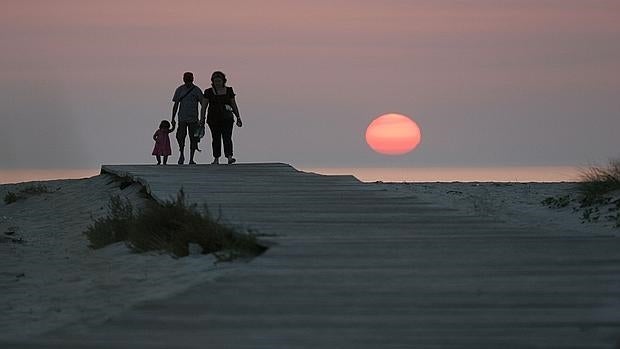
227 139
216 141
158 159
222 134
165 159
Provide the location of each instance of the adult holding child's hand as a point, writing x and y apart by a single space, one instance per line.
221 112
186 99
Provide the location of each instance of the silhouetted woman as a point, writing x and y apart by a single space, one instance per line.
222 109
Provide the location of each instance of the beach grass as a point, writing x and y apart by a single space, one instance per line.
557 201
598 181
114 227
33 189
597 196
10 197
170 227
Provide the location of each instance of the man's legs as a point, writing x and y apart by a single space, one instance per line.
181 133
193 141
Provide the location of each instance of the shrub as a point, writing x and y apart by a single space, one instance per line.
10 197
113 227
598 181
169 227
556 202
591 214
35 189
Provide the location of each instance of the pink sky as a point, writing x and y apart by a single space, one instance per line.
489 82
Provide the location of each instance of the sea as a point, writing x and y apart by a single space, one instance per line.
365 174
458 174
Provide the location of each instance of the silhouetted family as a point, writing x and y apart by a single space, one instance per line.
218 109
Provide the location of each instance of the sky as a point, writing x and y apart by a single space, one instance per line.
490 82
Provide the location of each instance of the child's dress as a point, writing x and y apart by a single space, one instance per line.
162 143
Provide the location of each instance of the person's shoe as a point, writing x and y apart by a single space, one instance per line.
192 162
231 160
215 161
181 159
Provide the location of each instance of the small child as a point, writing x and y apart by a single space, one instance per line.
162 141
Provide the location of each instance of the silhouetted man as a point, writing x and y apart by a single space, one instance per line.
186 99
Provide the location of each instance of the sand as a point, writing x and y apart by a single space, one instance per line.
50 278
518 204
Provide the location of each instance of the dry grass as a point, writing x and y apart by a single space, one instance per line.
10 198
33 189
114 227
597 181
169 227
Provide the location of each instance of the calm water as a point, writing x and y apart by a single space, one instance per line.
16 176
459 174
423 174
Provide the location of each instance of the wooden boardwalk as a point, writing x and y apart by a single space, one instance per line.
353 266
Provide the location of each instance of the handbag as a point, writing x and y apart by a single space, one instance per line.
200 132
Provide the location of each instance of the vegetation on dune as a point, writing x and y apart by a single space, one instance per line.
33 189
598 194
596 182
557 202
113 227
10 198
170 227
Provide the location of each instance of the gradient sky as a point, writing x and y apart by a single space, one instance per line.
490 82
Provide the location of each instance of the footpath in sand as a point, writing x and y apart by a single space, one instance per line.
355 265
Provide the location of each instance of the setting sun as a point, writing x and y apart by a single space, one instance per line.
393 134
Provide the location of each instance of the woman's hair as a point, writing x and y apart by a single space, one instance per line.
164 124
218 74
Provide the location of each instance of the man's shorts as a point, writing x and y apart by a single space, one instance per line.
185 129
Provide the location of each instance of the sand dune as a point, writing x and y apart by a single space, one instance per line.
48 275
516 203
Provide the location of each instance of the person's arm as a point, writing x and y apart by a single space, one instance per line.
175 108
155 135
174 124
204 102
233 104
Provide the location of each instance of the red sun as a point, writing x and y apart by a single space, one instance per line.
393 134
